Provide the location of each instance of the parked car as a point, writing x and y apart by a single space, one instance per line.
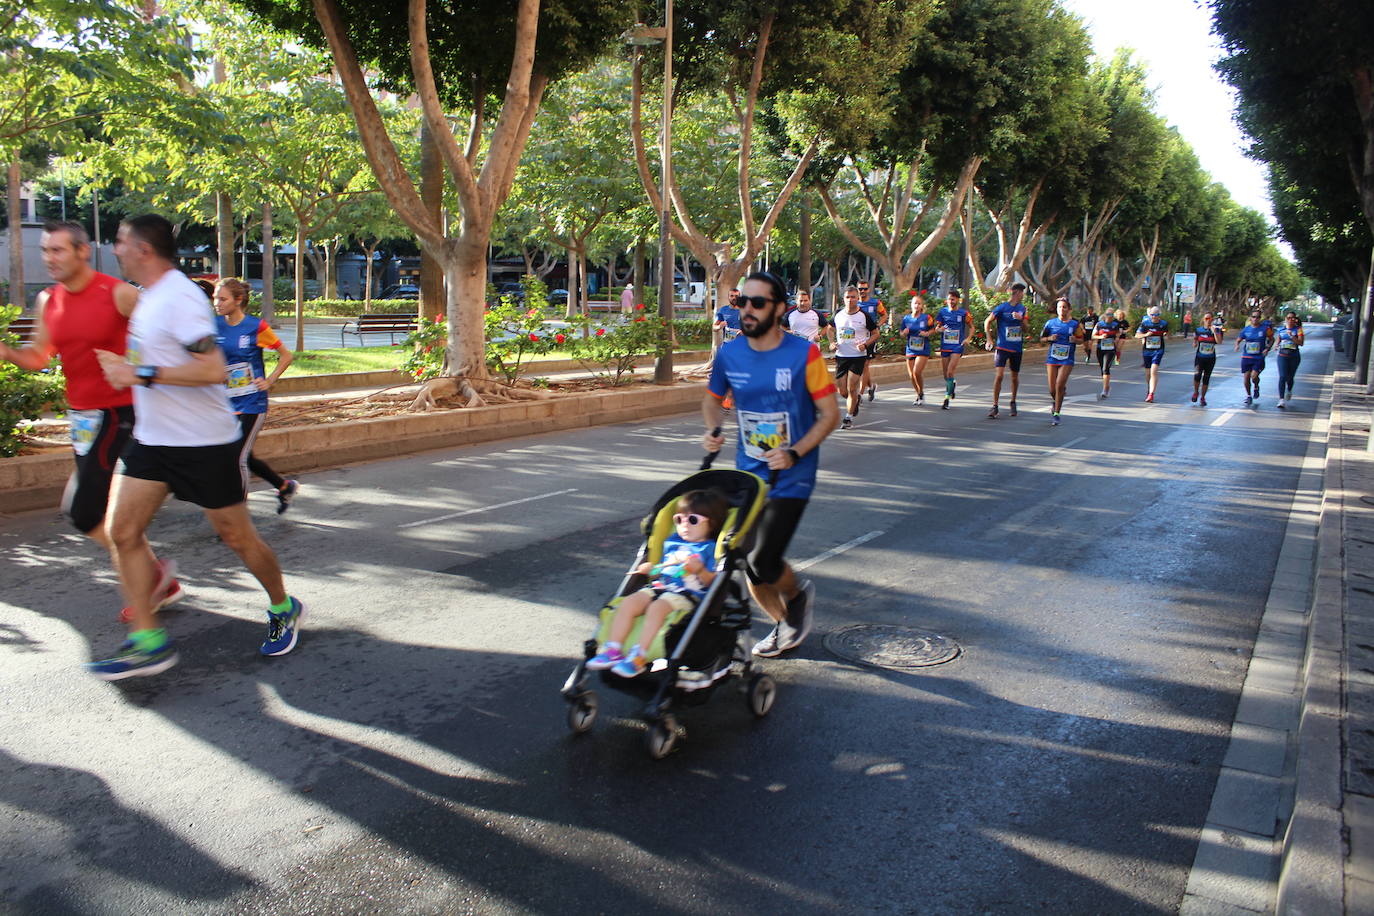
401 291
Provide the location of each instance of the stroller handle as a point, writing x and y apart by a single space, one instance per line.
711 457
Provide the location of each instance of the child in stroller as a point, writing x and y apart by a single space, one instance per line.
679 582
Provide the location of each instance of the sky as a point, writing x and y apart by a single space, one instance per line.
1174 41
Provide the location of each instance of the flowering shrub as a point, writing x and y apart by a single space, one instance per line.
428 345
23 395
515 331
611 352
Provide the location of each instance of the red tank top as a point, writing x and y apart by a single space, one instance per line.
79 324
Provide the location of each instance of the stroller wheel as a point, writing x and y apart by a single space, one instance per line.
763 690
582 713
662 737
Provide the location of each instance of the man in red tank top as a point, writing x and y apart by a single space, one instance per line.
87 311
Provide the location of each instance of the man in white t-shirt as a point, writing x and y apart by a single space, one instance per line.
855 330
185 442
804 321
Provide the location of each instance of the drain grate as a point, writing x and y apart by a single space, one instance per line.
894 648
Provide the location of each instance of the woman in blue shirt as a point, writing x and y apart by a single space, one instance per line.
916 329
1253 343
1063 334
1205 341
1288 339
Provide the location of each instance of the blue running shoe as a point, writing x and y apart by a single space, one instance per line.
606 658
632 665
282 630
130 661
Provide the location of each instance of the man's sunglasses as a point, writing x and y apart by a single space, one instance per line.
692 519
754 302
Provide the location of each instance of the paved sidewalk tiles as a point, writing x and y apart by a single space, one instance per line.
1232 867
1257 749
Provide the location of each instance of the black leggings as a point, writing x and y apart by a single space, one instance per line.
1202 370
250 423
1288 370
1105 358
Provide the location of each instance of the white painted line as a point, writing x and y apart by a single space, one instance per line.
869 423
1221 420
1070 444
836 551
513 502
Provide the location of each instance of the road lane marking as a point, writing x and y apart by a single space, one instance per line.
1070 444
836 551
513 502
1221 420
869 423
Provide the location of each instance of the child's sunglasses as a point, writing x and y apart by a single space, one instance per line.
690 519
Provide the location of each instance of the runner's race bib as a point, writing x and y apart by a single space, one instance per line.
1089 325
729 333
1252 348
1206 349
846 333
761 432
952 336
239 380
1287 344
1014 334
85 428
1060 351
1106 343
1154 343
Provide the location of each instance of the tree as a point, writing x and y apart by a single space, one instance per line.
744 53
1305 80
462 55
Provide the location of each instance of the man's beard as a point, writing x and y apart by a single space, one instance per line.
761 326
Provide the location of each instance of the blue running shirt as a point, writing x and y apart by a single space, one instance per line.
1009 328
775 394
730 315
243 344
916 345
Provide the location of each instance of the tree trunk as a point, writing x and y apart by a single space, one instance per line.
269 265
17 296
331 272
804 256
432 303
369 251
300 284
224 235
465 273
1362 374
570 306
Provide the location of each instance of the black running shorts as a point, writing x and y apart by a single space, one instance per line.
1009 358
776 525
207 475
99 439
847 364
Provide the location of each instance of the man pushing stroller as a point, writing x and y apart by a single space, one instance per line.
785 401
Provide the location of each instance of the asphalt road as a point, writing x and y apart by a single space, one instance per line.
1105 579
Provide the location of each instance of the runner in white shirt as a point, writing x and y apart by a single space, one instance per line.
185 442
804 321
854 331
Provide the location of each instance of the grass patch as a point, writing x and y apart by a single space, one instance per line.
347 359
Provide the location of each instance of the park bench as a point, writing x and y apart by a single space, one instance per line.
23 328
377 324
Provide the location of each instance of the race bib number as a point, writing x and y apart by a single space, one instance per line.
952 336
761 432
85 428
1154 343
1204 348
1252 348
1060 351
1089 325
846 333
239 380
1289 345
132 352
1106 343
729 333
1014 334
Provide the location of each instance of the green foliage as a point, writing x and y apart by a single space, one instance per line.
428 356
346 308
610 352
515 331
24 395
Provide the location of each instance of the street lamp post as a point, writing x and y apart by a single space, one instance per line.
641 36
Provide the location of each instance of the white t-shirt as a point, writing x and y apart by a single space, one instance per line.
172 314
850 329
806 324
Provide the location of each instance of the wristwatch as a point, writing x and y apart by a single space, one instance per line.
796 458
146 375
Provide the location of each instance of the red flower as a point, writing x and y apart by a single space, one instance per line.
429 349
534 337
531 313
600 332
559 338
640 307
641 318
923 292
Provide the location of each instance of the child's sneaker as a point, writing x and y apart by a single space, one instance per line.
604 659
632 665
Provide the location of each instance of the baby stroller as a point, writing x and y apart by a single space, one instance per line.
696 651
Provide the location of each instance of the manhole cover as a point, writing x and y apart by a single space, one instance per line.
897 648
